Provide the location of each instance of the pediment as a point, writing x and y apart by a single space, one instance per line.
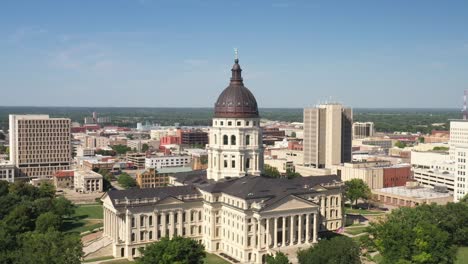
170 200
288 203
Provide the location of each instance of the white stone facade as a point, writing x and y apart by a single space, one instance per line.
167 161
459 153
235 148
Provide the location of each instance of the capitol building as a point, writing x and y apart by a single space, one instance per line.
232 208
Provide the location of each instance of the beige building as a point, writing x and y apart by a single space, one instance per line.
7 171
39 145
95 142
458 153
64 179
327 135
138 159
363 130
230 209
88 181
411 195
433 169
370 172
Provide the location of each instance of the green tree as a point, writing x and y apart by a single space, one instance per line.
145 147
63 207
464 199
46 190
421 139
2 136
271 172
292 174
178 250
400 144
48 221
121 149
357 189
414 235
279 258
293 134
52 247
338 250
126 181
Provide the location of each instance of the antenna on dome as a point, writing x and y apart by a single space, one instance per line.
236 54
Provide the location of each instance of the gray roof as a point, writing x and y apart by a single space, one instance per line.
253 187
160 192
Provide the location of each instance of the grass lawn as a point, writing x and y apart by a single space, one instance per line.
462 255
363 211
86 218
120 261
97 259
213 259
355 230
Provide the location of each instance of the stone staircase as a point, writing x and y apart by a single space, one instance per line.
95 245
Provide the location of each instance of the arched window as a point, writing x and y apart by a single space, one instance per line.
233 140
247 140
215 140
225 140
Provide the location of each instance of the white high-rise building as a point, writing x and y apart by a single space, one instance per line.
235 145
39 145
459 153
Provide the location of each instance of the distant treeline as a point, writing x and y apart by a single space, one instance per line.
386 120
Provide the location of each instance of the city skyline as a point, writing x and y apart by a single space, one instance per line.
295 54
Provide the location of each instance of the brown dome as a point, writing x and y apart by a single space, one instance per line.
236 100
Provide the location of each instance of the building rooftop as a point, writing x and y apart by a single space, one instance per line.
174 169
415 192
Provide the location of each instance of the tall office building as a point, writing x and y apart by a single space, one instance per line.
363 130
459 153
39 145
327 135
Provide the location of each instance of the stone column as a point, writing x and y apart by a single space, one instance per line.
307 228
299 231
315 228
171 222
179 217
128 222
254 237
291 230
268 233
163 224
275 234
259 232
283 233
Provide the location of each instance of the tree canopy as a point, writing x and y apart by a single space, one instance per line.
337 250
126 181
31 226
357 189
278 258
121 149
424 234
178 250
270 171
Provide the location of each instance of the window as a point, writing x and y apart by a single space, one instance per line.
215 139
229 123
247 140
142 235
221 123
233 140
133 237
150 235
150 220
233 163
238 123
142 220
225 164
133 221
225 140
247 123
247 163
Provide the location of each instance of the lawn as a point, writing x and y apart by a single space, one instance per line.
213 259
462 255
210 259
86 218
355 230
363 211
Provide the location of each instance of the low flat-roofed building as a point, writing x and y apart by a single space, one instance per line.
411 195
138 159
88 181
433 168
150 178
96 165
64 179
7 171
158 162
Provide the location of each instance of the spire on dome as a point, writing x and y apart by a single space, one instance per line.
236 69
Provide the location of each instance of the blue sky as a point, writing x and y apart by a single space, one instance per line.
179 53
